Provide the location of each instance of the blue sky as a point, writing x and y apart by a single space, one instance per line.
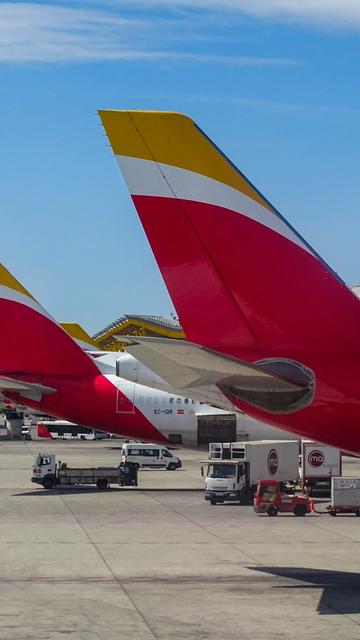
275 83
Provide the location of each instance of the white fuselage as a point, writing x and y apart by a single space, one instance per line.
175 415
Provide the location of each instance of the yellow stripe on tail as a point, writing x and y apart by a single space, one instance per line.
173 139
8 280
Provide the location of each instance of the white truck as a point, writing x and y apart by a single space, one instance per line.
49 473
319 463
233 469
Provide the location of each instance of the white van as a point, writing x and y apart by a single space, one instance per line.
154 456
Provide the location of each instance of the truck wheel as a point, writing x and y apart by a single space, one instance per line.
102 483
272 511
357 513
212 501
300 510
171 466
48 483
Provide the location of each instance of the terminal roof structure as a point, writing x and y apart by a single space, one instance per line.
136 325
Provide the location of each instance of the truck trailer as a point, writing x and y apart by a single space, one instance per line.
49 472
234 476
319 463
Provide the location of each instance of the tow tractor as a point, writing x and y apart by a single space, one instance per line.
49 473
271 500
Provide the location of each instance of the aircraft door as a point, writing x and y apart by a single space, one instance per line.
125 398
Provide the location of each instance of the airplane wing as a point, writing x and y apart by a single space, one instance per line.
273 385
31 390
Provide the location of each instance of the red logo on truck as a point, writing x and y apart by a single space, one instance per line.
273 461
316 458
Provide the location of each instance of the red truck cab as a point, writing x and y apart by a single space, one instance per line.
270 499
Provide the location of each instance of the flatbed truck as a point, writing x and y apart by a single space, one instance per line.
49 472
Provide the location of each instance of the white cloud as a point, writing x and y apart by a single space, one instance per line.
34 32
334 13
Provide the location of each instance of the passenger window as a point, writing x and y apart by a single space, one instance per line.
186 400
134 452
166 454
178 400
152 453
171 400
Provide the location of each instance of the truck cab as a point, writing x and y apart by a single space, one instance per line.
225 481
44 470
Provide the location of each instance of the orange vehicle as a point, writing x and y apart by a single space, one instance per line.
270 499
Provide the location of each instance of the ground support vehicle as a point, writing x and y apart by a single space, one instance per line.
319 463
345 496
151 456
50 473
13 423
234 479
271 500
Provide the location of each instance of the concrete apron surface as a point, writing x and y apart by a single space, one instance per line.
159 562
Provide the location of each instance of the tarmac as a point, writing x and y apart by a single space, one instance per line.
158 562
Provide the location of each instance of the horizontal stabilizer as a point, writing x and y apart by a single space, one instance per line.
277 386
31 390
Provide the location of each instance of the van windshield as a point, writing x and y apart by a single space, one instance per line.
221 470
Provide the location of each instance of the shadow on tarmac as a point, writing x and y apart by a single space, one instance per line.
82 490
341 589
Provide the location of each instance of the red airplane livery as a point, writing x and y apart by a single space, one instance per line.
269 325
43 367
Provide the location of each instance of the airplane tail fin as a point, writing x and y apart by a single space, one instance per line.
32 345
81 337
240 277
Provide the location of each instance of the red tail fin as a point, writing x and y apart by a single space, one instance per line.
239 275
32 343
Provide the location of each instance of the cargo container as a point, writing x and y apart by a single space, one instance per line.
345 496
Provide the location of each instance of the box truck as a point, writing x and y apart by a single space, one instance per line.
233 477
